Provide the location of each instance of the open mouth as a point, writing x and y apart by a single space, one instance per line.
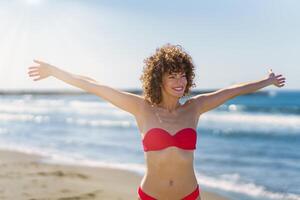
178 89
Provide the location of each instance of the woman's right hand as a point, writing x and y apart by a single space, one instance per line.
41 71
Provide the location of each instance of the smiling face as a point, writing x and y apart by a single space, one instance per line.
174 84
168 58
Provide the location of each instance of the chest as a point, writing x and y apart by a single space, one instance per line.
172 123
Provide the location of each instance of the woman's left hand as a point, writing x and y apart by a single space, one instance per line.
277 80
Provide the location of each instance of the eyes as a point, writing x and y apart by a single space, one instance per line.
173 76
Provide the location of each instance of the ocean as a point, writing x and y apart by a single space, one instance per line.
247 149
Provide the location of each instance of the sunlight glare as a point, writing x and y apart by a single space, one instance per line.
33 2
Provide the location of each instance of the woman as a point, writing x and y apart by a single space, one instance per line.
168 129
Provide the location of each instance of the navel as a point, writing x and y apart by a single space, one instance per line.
171 182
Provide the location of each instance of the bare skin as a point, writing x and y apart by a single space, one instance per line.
169 172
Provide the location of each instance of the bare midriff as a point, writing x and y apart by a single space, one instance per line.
170 173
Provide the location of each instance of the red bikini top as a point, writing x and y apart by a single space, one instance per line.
157 138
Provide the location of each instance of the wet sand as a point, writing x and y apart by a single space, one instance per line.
23 176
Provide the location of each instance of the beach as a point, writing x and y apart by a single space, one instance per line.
238 145
23 176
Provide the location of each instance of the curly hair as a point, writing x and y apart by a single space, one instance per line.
167 59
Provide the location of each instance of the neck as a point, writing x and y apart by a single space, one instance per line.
169 103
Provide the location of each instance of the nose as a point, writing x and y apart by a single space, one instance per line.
181 80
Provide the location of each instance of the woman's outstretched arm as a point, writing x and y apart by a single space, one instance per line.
126 101
209 101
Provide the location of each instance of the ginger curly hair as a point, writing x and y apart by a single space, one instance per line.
167 59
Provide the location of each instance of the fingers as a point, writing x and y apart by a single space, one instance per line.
30 75
38 61
281 83
37 79
33 67
33 72
277 76
36 76
280 80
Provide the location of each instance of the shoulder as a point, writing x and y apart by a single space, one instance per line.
145 109
144 114
194 104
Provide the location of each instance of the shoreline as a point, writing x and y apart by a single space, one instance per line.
131 90
23 176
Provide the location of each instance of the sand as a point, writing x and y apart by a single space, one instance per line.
23 176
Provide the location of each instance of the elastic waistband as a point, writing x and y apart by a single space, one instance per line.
192 196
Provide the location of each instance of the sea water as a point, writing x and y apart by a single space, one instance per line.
247 149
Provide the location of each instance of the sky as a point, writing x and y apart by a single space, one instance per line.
231 42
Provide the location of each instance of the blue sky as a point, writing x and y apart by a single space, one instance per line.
230 41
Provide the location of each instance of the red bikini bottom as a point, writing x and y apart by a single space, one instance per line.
192 196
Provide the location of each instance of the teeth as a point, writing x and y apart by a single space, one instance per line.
178 89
